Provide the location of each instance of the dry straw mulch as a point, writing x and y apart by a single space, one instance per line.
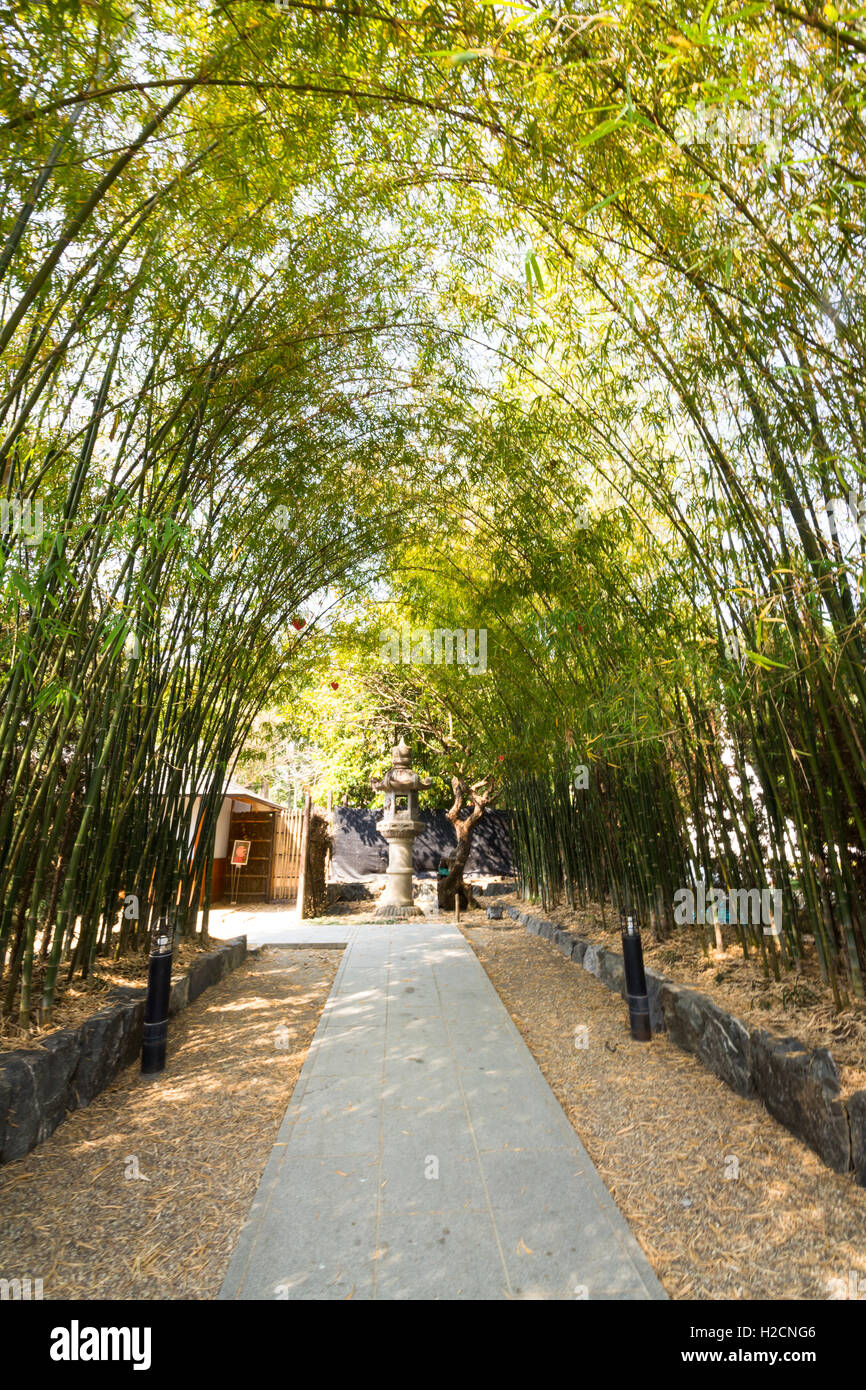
78 999
662 1131
799 1004
200 1136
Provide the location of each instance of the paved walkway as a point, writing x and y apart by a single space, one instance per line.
265 925
423 1155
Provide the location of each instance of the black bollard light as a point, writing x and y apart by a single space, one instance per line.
635 979
156 1003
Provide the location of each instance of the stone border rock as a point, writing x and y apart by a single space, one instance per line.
39 1085
347 893
492 890
800 1087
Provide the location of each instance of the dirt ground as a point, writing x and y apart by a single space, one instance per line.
142 1194
725 1202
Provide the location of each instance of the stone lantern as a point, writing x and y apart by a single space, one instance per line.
399 825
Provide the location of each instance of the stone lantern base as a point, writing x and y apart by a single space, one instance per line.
396 914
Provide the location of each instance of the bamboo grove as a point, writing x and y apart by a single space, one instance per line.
187 456
548 320
673 537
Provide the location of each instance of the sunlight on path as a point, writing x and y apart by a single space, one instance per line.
423 1155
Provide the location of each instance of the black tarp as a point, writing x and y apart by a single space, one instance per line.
358 850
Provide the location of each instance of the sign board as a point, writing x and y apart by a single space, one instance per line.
240 853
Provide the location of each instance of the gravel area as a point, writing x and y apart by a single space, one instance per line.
725 1202
142 1194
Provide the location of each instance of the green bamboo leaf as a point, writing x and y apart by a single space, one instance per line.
599 132
758 659
21 585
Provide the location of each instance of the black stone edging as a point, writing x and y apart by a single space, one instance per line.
800 1087
494 889
71 1066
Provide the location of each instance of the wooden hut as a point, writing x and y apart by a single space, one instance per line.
272 836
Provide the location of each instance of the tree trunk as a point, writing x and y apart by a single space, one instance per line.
453 886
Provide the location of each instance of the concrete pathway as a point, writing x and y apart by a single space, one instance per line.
264 925
423 1155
